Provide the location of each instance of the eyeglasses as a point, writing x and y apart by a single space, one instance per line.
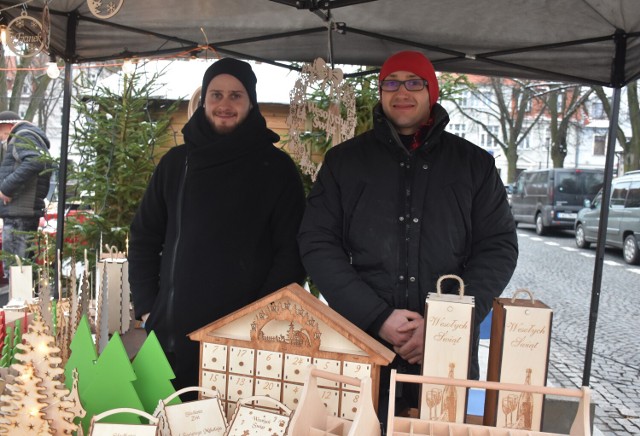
410 85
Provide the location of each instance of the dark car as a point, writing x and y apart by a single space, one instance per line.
623 228
551 198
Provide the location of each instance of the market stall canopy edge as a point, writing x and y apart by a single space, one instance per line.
585 41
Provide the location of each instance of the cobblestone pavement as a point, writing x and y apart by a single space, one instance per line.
561 276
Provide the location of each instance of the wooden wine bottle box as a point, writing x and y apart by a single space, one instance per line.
447 350
518 354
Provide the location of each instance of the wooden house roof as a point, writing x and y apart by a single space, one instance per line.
327 317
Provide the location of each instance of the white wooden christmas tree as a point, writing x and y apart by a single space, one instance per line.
22 412
39 359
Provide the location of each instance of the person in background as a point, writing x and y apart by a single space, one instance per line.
24 184
216 228
395 208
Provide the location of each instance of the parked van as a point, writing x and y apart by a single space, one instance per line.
623 228
551 198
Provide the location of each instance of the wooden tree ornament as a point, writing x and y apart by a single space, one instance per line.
111 385
38 350
23 413
154 374
337 121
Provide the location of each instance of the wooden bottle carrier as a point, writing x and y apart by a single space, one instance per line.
401 426
312 418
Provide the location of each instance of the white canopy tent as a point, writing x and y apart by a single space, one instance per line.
583 41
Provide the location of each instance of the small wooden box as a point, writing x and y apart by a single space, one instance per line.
448 322
518 354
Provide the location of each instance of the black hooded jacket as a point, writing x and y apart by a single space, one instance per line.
382 224
216 229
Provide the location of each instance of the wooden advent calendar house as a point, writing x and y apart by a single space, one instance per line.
266 347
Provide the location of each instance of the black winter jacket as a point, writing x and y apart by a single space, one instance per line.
216 229
23 175
382 224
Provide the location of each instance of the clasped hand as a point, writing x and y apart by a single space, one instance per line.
404 330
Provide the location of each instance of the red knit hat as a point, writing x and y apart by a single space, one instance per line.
416 63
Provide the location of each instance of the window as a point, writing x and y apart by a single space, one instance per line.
598 145
619 195
633 197
459 129
486 140
597 110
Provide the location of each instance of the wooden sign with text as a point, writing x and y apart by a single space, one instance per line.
249 420
203 417
519 354
448 322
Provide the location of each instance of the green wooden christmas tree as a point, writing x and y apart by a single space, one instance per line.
111 386
83 357
154 374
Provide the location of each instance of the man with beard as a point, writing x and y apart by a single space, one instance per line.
216 229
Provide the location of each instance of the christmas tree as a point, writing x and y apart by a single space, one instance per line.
111 385
38 350
154 374
23 409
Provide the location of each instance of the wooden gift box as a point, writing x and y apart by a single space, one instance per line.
518 354
112 280
448 322
403 426
265 350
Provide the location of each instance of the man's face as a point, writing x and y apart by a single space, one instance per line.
226 103
406 110
5 129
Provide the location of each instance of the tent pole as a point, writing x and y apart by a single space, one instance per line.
62 175
617 82
602 234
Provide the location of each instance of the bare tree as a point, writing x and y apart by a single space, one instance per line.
564 103
631 145
509 103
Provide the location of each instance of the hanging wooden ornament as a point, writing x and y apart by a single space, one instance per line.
25 35
330 118
46 26
104 9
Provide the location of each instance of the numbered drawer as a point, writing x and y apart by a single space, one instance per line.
296 368
331 399
216 382
355 370
349 405
269 364
291 395
241 360
268 388
214 357
239 387
327 365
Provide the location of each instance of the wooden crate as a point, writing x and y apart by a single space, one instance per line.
401 426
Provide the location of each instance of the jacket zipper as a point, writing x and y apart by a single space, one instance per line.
174 255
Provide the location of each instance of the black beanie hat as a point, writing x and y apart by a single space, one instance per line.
9 117
239 69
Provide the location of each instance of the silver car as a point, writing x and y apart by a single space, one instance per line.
623 229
